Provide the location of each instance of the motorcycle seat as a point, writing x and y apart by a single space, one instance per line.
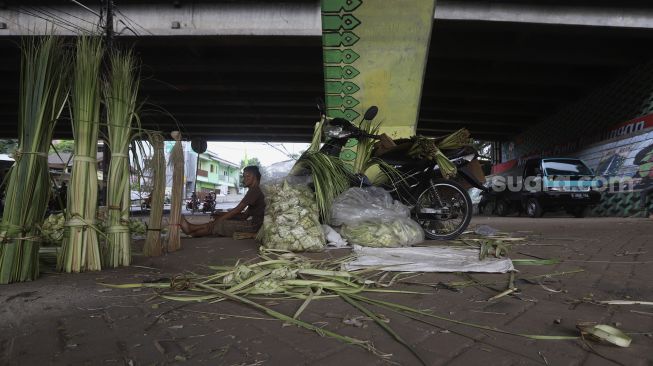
456 153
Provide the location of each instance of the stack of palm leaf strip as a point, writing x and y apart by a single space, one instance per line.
365 162
43 93
121 92
330 175
431 149
153 245
80 250
177 162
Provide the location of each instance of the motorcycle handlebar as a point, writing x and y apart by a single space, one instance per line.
375 137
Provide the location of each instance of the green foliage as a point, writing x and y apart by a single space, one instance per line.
8 146
64 146
251 161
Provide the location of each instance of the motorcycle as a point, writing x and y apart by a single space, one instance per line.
441 206
193 204
147 203
208 205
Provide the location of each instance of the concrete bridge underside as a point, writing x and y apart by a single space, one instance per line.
251 70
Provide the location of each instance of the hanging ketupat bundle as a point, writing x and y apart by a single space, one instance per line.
153 245
430 149
43 93
120 93
177 162
291 220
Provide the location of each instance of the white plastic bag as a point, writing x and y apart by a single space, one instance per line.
333 238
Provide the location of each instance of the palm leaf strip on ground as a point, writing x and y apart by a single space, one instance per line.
284 275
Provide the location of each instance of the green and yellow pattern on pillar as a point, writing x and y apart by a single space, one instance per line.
375 53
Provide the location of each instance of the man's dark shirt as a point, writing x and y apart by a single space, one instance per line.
255 202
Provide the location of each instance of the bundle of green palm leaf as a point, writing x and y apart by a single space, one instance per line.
121 91
366 164
330 175
43 93
431 149
176 160
365 147
80 249
330 178
153 245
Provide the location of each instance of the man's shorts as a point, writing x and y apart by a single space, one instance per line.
229 227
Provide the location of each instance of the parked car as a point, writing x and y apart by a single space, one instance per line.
547 184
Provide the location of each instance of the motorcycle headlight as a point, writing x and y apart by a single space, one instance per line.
335 132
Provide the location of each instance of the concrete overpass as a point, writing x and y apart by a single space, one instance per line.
250 70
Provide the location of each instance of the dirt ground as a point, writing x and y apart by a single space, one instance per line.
70 319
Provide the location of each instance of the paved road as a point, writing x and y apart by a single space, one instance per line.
71 320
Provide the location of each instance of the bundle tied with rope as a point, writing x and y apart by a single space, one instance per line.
80 248
177 162
43 93
120 94
431 149
153 245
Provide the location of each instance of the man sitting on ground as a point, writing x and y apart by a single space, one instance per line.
246 217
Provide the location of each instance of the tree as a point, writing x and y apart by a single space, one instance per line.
64 146
8 146
251 161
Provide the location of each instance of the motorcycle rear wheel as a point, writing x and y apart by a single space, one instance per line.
443 210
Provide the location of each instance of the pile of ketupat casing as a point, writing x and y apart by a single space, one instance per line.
52 229
291 220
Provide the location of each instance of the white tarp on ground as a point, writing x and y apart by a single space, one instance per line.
427 259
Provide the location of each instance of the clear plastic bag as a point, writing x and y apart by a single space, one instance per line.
364 204
400 232
370 217
291 220
278 173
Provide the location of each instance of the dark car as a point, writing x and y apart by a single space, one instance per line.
547 184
